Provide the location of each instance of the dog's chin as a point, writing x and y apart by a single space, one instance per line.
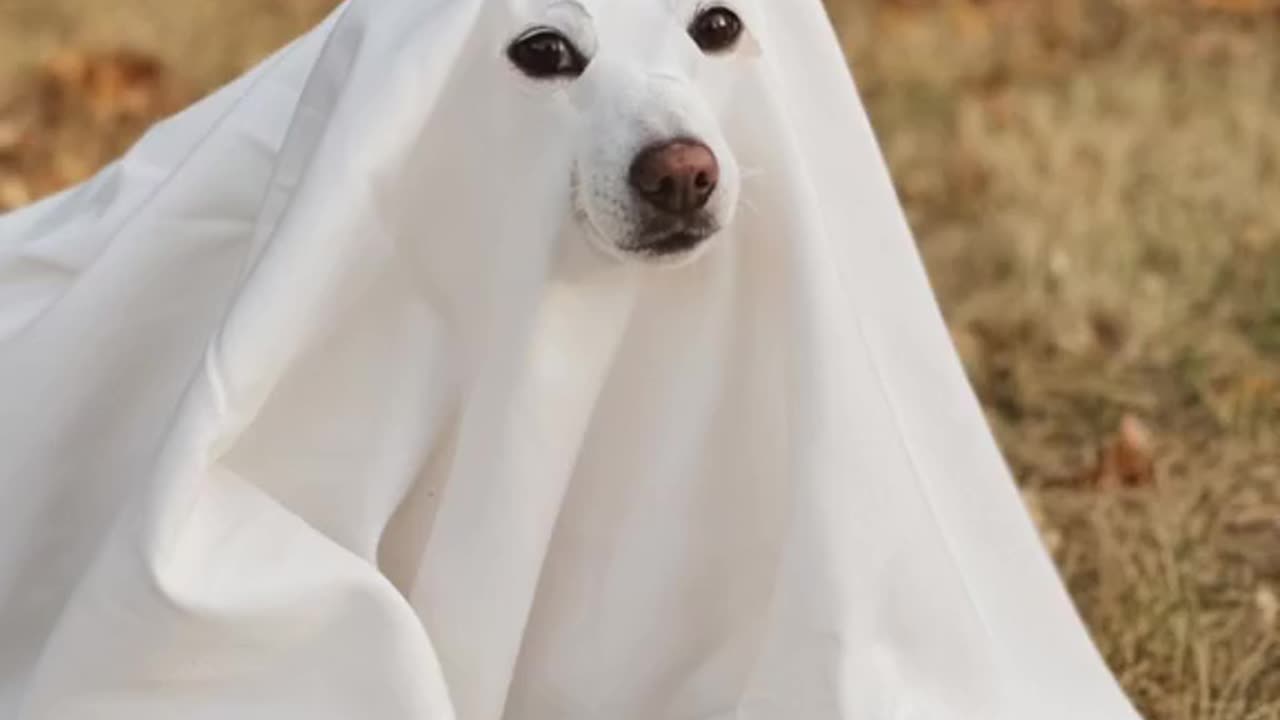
658 240
668 241
669 248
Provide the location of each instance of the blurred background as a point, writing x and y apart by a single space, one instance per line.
1095 186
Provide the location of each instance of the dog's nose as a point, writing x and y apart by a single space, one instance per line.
677 177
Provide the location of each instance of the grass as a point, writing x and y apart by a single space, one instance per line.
1095 185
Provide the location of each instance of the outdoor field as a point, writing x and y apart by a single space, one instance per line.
1095 186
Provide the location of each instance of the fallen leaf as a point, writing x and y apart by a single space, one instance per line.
1127 459
111 84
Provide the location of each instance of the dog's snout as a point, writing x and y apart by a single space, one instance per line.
676 177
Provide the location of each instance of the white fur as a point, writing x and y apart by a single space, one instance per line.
638 91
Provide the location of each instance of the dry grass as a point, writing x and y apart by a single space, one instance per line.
1094 184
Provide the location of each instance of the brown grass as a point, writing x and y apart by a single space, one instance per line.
1095 185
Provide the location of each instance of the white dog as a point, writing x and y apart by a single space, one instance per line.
653 176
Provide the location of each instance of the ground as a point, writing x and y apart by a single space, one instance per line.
1094 186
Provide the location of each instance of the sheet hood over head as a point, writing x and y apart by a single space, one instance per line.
337 397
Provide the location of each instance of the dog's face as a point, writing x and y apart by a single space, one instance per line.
653 178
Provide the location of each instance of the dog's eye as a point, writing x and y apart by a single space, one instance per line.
546 54
716 29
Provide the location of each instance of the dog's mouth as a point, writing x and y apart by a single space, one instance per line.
673 240
674 244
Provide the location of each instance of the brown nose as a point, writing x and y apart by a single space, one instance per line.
676 177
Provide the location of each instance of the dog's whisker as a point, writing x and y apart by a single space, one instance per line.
748 205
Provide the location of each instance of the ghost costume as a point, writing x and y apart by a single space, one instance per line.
323 402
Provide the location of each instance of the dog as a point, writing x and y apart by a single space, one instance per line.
653 178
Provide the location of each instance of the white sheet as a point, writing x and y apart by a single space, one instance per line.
320 404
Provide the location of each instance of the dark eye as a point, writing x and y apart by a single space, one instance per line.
716 29
546 54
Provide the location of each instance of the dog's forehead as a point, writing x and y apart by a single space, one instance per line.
621 21
636 13
650 33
